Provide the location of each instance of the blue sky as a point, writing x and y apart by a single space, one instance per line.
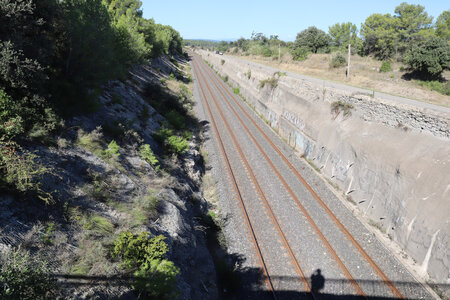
232 19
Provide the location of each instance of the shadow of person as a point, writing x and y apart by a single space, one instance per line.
317 281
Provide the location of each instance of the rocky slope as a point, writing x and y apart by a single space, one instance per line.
100 190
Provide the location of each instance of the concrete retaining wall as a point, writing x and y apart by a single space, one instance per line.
392 159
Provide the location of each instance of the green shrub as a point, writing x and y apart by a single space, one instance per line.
99 190
112 151
385 66
339 106
155 276
429 58
91 141
174 144
11 123
22 172
176 119
146 153
249 74
172 76
46 237
138 250
338 61
177 144
158 281
438 86
21 277
236 90
222 61
187 135
300 53
163 134
272 82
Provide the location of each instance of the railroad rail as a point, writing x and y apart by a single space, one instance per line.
204 75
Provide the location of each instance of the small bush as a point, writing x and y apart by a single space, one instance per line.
338 61
91 141
11 123
438 86
222 61
146 153
236 90
21 277
112 151
177 144
174 144
176 119
46 237
249 74
155 276
22 172
172 76
339 106
272 82
225 78
385 66
300 53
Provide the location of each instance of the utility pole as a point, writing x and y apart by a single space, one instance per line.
279 52
348 61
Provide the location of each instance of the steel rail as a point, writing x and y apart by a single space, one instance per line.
302 208
238 193
385 279
261 194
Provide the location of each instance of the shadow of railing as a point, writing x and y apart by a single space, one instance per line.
69 280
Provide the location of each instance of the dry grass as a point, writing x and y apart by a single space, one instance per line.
364 73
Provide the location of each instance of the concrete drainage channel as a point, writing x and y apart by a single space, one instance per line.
385 214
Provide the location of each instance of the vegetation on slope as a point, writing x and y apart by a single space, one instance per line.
55 59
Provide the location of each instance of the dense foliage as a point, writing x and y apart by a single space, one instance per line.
55 54
23 278
154 275
429 58
314 39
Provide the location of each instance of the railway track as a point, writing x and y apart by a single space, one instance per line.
293 230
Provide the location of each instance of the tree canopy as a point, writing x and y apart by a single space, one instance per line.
313 39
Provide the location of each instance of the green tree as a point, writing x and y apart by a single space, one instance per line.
412 24
343 34
443 25
429 58
380 35
127 15
26 49
314 39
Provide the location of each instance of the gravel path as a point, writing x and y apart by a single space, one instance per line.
303 238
